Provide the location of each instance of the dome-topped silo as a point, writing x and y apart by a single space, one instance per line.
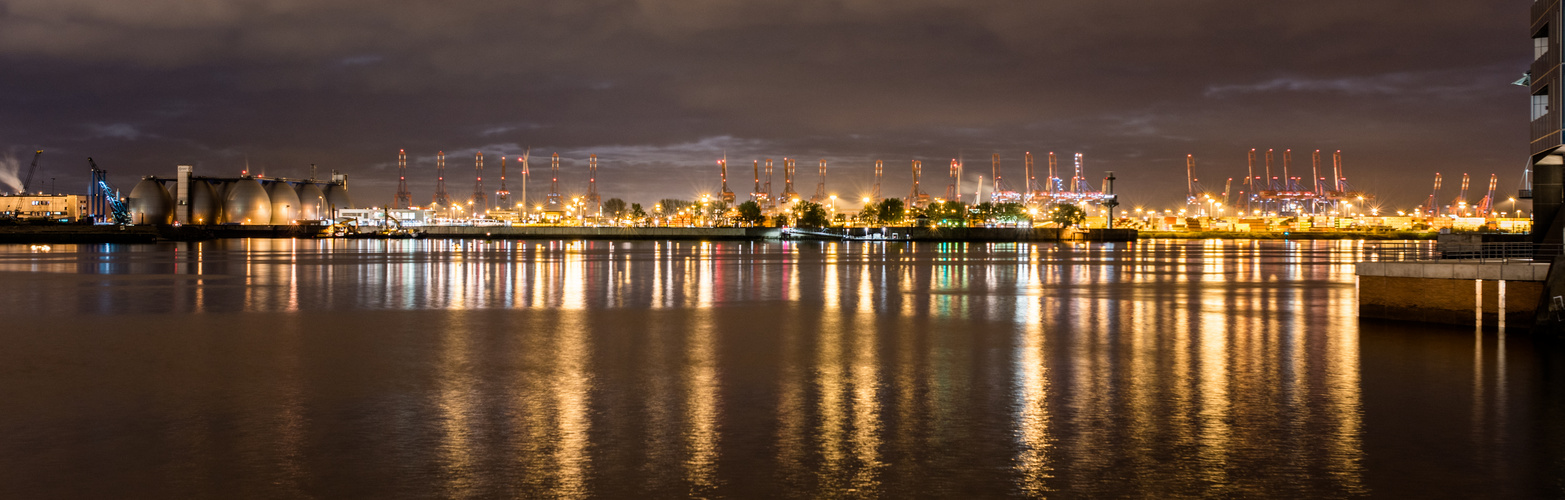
150 203
204 205
247 203
312 202
337 197
285 203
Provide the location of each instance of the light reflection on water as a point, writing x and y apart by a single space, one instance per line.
709 369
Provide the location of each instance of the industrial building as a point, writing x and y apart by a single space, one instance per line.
245 200
57 207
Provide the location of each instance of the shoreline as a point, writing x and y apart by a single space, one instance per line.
34 234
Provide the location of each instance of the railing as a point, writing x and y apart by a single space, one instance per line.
1511 251
1395 252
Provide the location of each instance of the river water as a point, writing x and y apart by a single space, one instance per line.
387 369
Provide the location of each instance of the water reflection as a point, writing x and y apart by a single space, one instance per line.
705 369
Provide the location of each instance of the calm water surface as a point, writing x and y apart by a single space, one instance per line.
282 368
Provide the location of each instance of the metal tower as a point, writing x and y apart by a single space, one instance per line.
404 198
441 198
502 198
756 195
592 184
1053 173
1031 182
994 171
820 188
788 194
917 198
875 195
726 195
1077 181
770 201
553 200
951 194
526 153
1270 185
480 198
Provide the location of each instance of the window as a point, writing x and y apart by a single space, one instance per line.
1540 103
40 203
1540 46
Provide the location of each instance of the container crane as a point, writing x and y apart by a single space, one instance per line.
1487 203
1460 203
1432 207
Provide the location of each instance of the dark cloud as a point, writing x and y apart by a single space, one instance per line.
661 89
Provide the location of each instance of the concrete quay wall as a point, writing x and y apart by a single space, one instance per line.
1447 292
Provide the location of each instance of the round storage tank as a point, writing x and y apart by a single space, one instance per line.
150 203
204 205
285 203
312 202
247 203
337 198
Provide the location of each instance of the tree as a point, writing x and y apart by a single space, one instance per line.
1010 213
614 207
950 213
750 213
1067 215
636 212
671 205
890 211
867 215
810 214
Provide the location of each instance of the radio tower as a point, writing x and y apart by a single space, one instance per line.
789 167
441 198
404 198
592 184
553 200
502 198
820 188
951 194
875 195
480 198
726 195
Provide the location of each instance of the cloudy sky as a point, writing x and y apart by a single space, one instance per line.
660 89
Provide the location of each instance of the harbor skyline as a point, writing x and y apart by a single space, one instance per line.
658 92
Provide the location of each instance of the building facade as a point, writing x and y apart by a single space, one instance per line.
1548 156
61 207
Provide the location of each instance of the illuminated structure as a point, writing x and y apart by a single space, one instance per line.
480 201
404 197
441 198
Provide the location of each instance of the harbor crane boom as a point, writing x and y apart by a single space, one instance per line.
31 170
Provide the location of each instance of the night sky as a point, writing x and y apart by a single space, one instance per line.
659 90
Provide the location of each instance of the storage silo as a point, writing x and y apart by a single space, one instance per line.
312 202
247 203
204 205
150 203
285 203
337 197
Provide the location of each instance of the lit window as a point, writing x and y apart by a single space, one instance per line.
1540 104
1540 46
